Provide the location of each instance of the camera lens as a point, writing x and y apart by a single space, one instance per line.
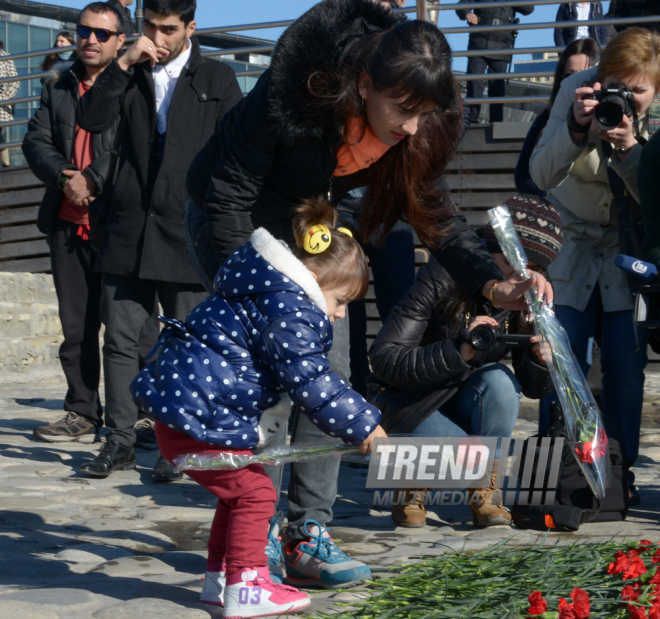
609 112
483 337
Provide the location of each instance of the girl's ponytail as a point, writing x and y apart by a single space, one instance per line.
330 252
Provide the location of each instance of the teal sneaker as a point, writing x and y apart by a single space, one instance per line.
274 548
318 562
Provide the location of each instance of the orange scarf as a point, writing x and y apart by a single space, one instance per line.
359 152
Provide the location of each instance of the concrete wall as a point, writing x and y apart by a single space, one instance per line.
30 330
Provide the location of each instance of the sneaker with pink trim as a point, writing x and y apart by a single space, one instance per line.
251 593
213 591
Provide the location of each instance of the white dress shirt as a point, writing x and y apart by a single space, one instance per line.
165 79
582 15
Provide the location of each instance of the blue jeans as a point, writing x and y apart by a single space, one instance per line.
486 405
623 369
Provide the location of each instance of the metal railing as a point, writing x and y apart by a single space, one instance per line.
422 6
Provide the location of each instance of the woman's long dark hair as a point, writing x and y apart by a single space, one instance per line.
51 59
411 61
588 47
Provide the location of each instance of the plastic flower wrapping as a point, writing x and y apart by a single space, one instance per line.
584 426
300 452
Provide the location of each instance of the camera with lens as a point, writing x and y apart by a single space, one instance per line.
613 103
485 337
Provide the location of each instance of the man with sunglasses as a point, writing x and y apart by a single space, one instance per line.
178 101
74 166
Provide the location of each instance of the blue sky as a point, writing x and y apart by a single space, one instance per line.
232 12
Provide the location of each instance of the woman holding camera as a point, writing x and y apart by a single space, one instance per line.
578 56
428 377
599 120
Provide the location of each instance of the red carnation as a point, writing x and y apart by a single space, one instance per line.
537 605
654 613
636 567
566 610
644 545
656 557
581 603
620 563
638 613
656 577
629 594
583 453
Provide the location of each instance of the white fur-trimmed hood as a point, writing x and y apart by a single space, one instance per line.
281 258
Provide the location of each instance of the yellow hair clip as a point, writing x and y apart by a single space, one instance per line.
346 231
317 240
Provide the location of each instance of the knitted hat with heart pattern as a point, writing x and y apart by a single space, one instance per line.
538 224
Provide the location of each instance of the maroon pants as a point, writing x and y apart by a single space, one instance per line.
246 500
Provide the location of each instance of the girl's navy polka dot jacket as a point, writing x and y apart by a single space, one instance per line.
264 332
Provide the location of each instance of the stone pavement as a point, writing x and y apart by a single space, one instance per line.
123 547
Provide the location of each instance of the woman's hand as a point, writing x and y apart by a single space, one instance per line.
365 445
466 350
509 294
540 347
583 109
619 137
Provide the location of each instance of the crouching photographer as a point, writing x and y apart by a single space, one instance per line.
435 362
587 160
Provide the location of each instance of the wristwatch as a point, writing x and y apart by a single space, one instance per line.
624 151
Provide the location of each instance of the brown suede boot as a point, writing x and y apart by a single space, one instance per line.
412 513
486 506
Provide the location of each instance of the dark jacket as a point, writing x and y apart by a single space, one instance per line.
277 147
415 358
144 233
634 8
48 144
568 12
493 40
127 23
521 175
264 334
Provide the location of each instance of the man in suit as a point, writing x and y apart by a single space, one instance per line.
178 99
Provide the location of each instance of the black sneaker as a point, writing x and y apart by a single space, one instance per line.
164 471
145 434
73 427
112 457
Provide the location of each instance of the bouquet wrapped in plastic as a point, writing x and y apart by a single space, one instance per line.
584 426
225 461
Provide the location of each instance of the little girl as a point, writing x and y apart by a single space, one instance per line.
223 381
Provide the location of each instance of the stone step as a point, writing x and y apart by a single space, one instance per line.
29 319
27 288
23 354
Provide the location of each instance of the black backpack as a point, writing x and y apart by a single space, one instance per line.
575 503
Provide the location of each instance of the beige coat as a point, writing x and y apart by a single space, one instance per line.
576 176
577 184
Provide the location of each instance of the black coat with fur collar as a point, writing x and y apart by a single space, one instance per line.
277 147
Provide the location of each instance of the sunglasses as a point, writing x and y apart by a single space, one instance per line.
102 35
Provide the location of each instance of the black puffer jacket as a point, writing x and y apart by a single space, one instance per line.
277 147
502 15
415 358
48 144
